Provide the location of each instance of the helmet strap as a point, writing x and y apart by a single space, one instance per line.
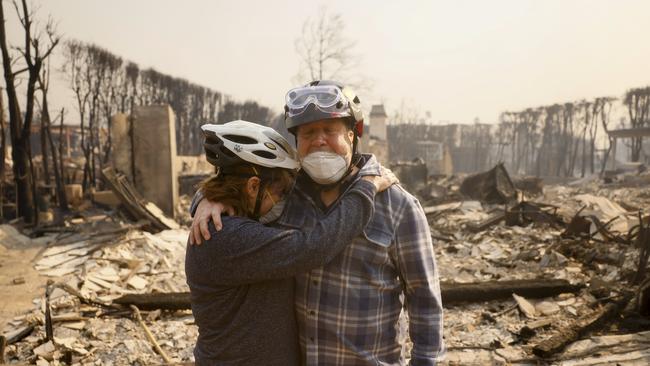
260 194
258 200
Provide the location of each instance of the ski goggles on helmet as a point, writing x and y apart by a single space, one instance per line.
323 96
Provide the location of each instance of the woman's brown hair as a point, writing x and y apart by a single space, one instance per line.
229 188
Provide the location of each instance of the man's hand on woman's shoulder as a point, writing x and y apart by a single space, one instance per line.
206 211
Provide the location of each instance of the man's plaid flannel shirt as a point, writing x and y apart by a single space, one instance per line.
348 310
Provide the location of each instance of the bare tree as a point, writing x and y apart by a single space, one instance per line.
606 106
32 55
104 84
556 136
504 135
80 76
563 133
46 132
248 111
325 53
637 101
588 118
3 152
112 65
546 157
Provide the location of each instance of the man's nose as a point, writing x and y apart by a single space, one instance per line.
320 139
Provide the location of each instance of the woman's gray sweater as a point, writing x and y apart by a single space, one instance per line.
241 282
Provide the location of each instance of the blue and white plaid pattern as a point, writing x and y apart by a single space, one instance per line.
348 310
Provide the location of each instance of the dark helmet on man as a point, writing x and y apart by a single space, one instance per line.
322 99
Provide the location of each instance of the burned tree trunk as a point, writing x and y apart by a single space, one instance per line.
19 145
638 104
3 153
573 331
58 169
44 155
20 127
61 166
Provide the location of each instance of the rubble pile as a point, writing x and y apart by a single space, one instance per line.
91 267
550 274
586 234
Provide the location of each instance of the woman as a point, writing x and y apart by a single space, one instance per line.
241 279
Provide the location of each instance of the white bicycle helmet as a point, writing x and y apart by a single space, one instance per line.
236 142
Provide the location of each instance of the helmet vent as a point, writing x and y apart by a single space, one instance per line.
264 154
245 140
280 144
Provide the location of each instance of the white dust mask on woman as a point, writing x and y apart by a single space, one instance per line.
274 213
324 167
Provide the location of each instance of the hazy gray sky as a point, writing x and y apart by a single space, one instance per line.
457 59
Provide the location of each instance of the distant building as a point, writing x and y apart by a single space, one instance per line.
627 134
452 148
374 135
435 155
378 119
71 138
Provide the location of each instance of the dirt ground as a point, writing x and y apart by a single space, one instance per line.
17 262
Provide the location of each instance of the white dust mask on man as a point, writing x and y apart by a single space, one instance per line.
324 167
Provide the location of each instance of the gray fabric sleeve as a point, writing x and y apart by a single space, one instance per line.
245 251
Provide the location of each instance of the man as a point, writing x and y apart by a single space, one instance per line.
348 310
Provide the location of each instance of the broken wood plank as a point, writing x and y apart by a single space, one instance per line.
587 253
525 306
3 345
150 336
601 348
72 291
135 204
446 239
49 329
487 223
165 301
19 334
441 208
530 329
69 317
492 290
525 213
575 330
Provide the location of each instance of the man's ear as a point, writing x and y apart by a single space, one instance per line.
350 137
253 186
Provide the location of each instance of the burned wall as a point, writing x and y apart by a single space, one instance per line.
154 156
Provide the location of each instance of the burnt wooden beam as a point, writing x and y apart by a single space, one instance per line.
493 290
572 332
494 219
163 300
451 293
19 335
